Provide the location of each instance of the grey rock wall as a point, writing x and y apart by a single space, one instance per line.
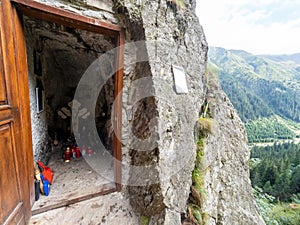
162 198
38 119
229 198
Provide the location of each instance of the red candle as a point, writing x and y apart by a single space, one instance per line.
90 151
67 155
77 151
73 150
83 151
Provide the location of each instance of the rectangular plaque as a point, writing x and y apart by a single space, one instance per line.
180 80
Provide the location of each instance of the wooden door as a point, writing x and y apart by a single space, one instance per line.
16 176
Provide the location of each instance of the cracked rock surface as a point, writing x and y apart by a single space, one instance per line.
174 37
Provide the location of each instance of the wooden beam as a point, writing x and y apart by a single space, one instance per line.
107 189
118 111
49 13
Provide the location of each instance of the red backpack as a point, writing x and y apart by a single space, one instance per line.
47 172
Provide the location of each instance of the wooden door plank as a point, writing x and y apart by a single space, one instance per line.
16 217
19 155
5 112
26 166
2 81
106 189
8 182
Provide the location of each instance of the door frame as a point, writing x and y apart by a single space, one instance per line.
48 13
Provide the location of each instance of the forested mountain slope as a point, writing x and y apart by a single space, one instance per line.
261 89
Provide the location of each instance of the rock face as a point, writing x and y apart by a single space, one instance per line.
229 198
174 36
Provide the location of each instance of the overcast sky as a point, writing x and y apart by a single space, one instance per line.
257 26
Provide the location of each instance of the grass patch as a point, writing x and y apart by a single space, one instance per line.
144 220
287 214
276 213
180 5
205 124
195 214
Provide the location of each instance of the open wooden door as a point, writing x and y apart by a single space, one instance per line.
16 173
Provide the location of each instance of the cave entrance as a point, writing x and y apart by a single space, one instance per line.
62 47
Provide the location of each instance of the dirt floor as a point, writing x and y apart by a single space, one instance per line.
111 209
76 180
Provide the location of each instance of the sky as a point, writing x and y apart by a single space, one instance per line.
256 26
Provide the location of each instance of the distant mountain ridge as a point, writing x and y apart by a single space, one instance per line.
280 58
259 87
292 60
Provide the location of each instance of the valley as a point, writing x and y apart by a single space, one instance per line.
265 91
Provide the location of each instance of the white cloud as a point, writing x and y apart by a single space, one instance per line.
235 25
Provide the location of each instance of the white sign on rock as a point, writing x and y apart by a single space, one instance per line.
180 80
